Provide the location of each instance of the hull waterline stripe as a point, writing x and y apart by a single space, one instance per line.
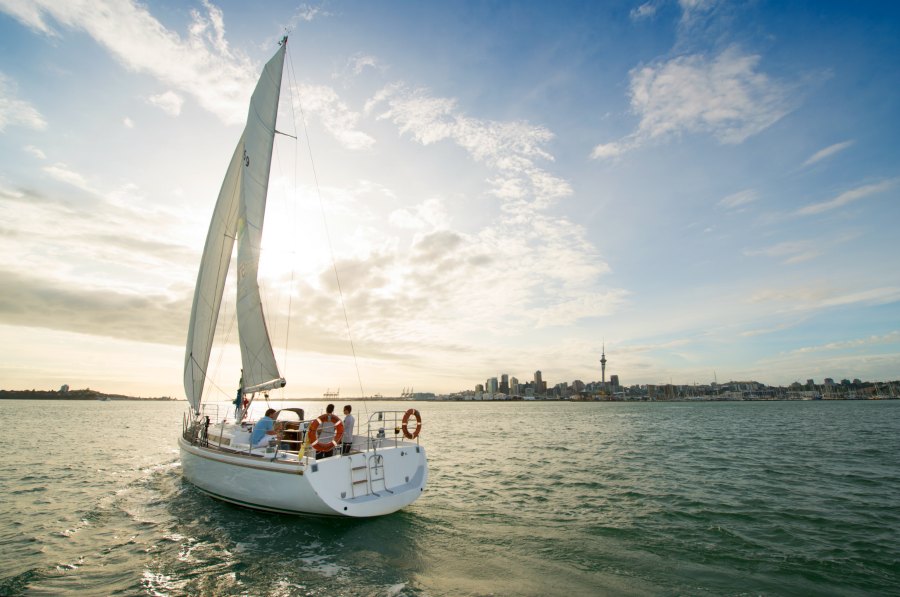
267 508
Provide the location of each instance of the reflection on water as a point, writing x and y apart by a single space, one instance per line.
523 498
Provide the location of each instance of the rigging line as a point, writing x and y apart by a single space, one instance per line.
287 337
221 352
328 238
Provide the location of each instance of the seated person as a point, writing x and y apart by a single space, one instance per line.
264 430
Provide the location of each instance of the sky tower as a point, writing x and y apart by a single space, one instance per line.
603 365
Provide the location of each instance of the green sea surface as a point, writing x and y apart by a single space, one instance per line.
524 498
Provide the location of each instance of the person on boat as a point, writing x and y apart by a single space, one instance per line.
265 429
349 421
326 433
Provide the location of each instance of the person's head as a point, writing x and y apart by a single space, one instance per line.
329 409
271 413
348 409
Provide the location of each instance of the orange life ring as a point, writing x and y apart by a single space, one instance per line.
412 413
313 437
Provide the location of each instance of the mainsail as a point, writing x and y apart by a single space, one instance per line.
239 213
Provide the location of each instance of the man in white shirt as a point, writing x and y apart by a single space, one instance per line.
349 421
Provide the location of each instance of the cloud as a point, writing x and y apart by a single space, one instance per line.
512 149
889 338
770 330
419 282
360 62
17 112
430 214
169 102
28 13
337 118
846 197
35 152
307 13
738 199
119 241
63 173
791 251
611 150
128 123
691 8
827 152
644 11
724 96
31 301
811 298
200 64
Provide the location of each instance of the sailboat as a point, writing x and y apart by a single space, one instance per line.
298 471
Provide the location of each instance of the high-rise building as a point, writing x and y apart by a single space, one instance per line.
538 382
614 381
514 386
603 365
491 385
504 384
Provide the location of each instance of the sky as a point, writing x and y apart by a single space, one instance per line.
706 189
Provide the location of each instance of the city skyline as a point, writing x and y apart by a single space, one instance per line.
507 384
692 186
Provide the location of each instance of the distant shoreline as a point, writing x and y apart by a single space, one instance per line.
73 395
99 396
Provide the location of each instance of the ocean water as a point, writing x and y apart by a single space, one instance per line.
542 498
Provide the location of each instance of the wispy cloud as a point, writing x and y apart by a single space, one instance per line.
169 102
889 338
644 11
35 152
769 330
63 173
690 9
17 112
512 149
724 96
307 13
337 118
515 152
201 64
846 198
359 62
431 214
738 199
129 123
812 298
827 152
791 252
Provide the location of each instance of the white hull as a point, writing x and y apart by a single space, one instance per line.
362 484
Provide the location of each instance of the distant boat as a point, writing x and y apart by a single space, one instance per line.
384 470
